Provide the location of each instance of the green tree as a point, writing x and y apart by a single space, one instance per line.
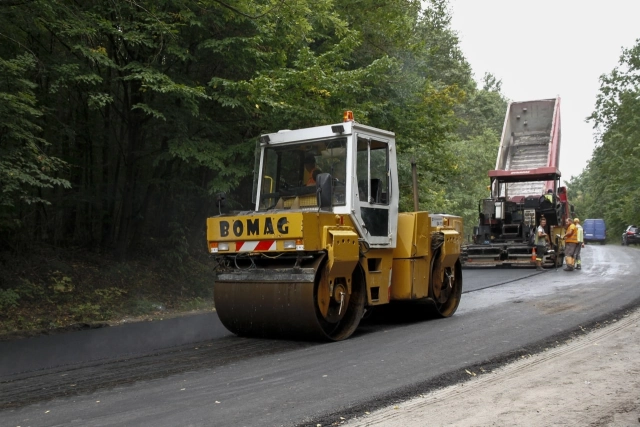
608 188
26 166
475 149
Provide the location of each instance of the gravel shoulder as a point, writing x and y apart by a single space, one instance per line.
593 380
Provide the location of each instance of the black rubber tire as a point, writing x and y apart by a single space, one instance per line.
347 325
445 306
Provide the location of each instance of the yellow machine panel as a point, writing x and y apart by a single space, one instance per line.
413 235
260 232
342 247
410 279
456 223
255 226
377 265
451 247
413 253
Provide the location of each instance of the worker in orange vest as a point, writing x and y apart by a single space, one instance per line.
570 244
310 168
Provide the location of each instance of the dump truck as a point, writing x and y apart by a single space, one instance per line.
524 186
325 241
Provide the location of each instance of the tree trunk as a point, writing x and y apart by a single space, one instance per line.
126 226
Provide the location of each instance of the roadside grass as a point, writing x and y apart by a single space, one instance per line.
55 290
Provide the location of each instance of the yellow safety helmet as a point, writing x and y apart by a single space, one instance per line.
576 220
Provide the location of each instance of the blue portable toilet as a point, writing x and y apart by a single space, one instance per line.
594 231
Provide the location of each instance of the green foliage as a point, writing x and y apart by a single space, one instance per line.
475 150
61 284
110 295
30 290
609 187
142 306
8 298
25 164
85 312
178 248
194 304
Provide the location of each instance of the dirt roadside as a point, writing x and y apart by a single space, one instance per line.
593 380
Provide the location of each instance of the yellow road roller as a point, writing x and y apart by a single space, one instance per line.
325 241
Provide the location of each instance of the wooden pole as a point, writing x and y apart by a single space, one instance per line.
414 173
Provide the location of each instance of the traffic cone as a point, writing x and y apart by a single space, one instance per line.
533 255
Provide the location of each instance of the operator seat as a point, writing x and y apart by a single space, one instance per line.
376 190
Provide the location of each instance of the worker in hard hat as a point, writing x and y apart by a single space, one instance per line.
580 245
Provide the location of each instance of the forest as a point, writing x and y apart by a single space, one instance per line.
121 119
609 187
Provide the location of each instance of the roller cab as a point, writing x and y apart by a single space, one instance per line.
325 241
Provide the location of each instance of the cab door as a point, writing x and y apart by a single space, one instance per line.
372 195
